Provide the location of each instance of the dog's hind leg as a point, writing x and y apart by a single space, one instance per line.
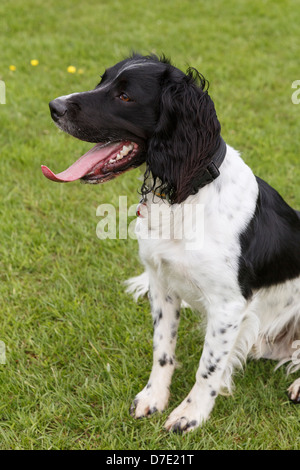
282 345
165 308
294 391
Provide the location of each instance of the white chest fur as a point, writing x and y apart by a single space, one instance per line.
186 244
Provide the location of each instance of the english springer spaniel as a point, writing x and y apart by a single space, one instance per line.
241 266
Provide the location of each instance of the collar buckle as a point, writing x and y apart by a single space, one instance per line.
212 170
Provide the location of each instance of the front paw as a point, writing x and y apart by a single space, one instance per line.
149 401
187 416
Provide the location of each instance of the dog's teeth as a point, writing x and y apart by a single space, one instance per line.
125 150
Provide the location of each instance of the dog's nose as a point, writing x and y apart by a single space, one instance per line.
58 108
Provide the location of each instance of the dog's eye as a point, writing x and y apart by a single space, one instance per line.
124 97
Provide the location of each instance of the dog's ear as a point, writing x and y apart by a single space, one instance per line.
186 135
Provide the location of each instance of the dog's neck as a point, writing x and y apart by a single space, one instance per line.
211 172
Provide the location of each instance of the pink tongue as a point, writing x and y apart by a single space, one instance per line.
83 165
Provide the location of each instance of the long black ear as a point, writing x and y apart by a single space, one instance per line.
186 136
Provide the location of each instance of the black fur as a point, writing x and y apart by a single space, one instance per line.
270 245
187 127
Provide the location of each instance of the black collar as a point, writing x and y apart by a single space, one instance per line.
212 170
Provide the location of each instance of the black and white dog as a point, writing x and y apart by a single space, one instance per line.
241 266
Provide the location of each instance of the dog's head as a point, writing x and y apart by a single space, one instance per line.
143 110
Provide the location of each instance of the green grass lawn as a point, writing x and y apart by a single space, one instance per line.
78 348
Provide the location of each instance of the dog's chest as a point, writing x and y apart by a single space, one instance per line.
187 246
195 246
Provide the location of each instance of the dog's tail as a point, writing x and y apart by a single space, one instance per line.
138 286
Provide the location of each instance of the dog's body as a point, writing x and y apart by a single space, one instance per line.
265 325
241 266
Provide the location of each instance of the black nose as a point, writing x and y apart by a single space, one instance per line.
58 108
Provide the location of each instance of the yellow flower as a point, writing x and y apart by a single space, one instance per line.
34 62
71 69
12 68
80 71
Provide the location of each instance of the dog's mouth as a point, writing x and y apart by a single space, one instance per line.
103 162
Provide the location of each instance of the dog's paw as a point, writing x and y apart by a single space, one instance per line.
149 401
187 416
294 391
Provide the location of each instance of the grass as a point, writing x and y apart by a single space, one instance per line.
78 348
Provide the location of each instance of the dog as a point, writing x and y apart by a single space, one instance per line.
241 266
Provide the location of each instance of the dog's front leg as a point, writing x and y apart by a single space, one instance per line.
165 309
223 328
